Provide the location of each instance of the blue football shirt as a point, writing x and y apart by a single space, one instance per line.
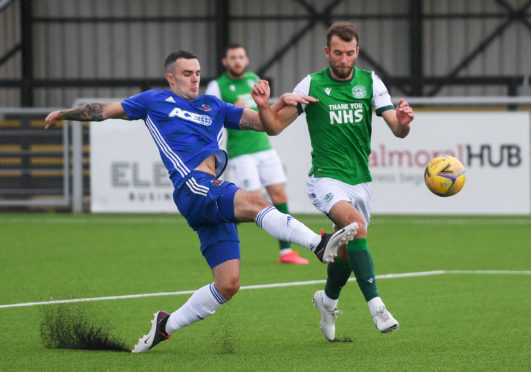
185 132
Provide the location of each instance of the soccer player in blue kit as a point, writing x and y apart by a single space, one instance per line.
186 128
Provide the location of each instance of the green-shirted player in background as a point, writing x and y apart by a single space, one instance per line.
339 182
253 161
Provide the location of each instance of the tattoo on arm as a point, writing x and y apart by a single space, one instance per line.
123 116
246 125
88 112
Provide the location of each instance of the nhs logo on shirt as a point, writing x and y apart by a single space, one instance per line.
191 116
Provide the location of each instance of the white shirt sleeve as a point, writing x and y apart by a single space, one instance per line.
213 89
303 88
380 96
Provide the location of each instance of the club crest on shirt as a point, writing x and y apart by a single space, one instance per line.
217 183
205 107
359 92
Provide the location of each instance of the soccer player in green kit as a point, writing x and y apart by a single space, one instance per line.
253 161
339 182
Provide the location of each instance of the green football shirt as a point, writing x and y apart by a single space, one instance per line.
240 142
340 123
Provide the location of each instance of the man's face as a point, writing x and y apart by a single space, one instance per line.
184 77
236 62
342 56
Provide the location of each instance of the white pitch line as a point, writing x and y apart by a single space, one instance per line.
272 285
494 272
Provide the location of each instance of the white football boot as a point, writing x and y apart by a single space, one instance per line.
327 249
328 317
384 321
156 334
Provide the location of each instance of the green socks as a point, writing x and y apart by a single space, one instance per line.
283 207
338 274
360 260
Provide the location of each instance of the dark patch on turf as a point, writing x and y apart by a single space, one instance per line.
226 341
343 339
72 327
223 338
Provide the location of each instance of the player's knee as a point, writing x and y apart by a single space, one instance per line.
362 229
258 203
229 287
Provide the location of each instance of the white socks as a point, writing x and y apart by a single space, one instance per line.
329 303
203 303
375 305
285 227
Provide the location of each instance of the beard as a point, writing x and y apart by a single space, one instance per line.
342 72
238 74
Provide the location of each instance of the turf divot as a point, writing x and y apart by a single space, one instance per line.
70 327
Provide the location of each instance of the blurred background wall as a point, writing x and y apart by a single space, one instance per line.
54 51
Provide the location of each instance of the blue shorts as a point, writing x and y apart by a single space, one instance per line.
208 206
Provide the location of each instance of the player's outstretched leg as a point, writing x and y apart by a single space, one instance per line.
330 243
286 227
156 334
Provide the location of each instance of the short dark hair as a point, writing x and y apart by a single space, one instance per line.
346 31
174 56
233 46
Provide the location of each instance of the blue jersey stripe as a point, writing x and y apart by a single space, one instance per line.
160 145
193 188
172 156
165 148
186 132
192 183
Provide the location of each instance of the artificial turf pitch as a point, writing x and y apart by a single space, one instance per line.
463 302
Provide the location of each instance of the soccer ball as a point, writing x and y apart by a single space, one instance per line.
445 175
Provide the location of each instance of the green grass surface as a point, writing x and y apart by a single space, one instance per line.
469 321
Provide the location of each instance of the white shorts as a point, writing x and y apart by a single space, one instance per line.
325 192
254 171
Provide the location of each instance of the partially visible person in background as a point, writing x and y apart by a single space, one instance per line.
253 162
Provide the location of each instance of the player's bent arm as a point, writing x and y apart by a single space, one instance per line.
287 109
275 119
251 121
269 121
275 122
87 112
398 120
398 129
